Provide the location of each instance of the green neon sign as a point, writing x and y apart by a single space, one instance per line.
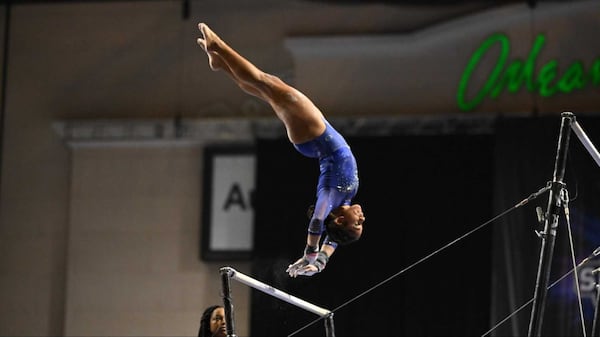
511 77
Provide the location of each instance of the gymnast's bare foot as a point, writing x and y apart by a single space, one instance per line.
215 61
210 44
211 39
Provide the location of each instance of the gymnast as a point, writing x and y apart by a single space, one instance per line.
313 136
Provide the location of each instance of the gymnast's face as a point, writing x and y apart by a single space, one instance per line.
217 323
352 217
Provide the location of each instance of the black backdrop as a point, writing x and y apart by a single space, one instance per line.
419 193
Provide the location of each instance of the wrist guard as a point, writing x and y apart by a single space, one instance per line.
321 261
310 254
310 250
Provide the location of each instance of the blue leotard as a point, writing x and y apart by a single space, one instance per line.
338 179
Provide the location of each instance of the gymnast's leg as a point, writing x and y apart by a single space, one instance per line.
302 119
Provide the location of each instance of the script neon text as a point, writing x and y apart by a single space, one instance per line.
512 76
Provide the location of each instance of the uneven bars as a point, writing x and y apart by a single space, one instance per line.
265 288
585 141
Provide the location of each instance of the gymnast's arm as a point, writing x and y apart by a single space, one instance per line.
326 199
314 259
328 249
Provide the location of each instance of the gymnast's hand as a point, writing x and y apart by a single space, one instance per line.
309 257
309 264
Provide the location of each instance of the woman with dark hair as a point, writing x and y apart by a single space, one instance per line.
313 136
212 323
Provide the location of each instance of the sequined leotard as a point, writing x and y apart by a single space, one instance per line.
338 179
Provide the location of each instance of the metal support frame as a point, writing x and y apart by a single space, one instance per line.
548 236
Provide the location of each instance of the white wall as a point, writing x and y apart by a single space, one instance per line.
133 259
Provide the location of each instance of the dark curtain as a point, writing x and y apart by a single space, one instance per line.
524 163
419 194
